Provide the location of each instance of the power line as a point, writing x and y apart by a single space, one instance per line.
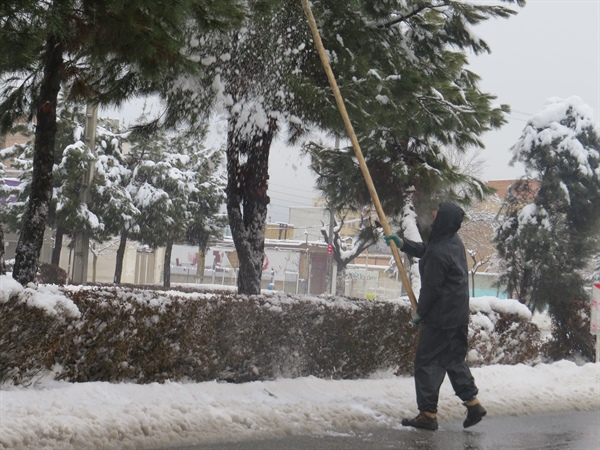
520 112
518 118
290 187
291 195
290 204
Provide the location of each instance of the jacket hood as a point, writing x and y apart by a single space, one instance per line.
447 222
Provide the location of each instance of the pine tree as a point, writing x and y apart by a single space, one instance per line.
69 128
549 233
426 103
21 158
173 188
102 52
68 213
110 199
267 77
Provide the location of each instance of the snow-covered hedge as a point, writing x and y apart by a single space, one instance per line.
501 332
129 334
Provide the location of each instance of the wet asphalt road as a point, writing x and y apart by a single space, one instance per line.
565 430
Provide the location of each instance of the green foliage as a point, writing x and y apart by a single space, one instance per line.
110 199
52 274
506 340
549 234
175 186
112 49
26 349
403 73
96 52
21 158
395 68
571 338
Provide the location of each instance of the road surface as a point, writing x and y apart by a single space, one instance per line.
565 430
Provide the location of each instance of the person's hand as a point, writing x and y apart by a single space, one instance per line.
415 317
398 241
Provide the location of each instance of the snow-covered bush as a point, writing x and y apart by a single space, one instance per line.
35 323
501 333
129 334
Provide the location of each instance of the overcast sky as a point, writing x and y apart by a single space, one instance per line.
549 49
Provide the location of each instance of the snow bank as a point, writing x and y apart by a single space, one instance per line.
128 416
48 298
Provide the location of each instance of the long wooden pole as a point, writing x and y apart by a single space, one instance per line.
361 160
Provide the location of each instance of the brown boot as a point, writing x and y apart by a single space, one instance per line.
475 412
425 420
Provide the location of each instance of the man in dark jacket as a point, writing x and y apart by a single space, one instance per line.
443 311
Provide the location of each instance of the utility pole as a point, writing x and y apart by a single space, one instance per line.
82 239
329 276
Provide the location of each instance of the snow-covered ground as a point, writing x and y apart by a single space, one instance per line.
60 415
57 415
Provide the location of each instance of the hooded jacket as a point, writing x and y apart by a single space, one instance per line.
444 297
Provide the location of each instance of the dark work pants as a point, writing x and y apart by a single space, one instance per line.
442 351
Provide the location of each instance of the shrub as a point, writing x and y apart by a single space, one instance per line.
136 335
571 338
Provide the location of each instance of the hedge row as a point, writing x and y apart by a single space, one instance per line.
139 335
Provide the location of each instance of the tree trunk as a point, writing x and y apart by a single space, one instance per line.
58 242
167 265
340 280
201 262
34 222
247 199
120 257
94 266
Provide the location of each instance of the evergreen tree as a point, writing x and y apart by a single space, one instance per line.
69 129
174 190
425 106
101 52
110 207
68 212
206 222
21 160
267 77
110 199
549 233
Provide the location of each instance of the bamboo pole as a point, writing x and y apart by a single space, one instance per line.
363 165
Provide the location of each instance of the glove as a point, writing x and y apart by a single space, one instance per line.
398 241
415 317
